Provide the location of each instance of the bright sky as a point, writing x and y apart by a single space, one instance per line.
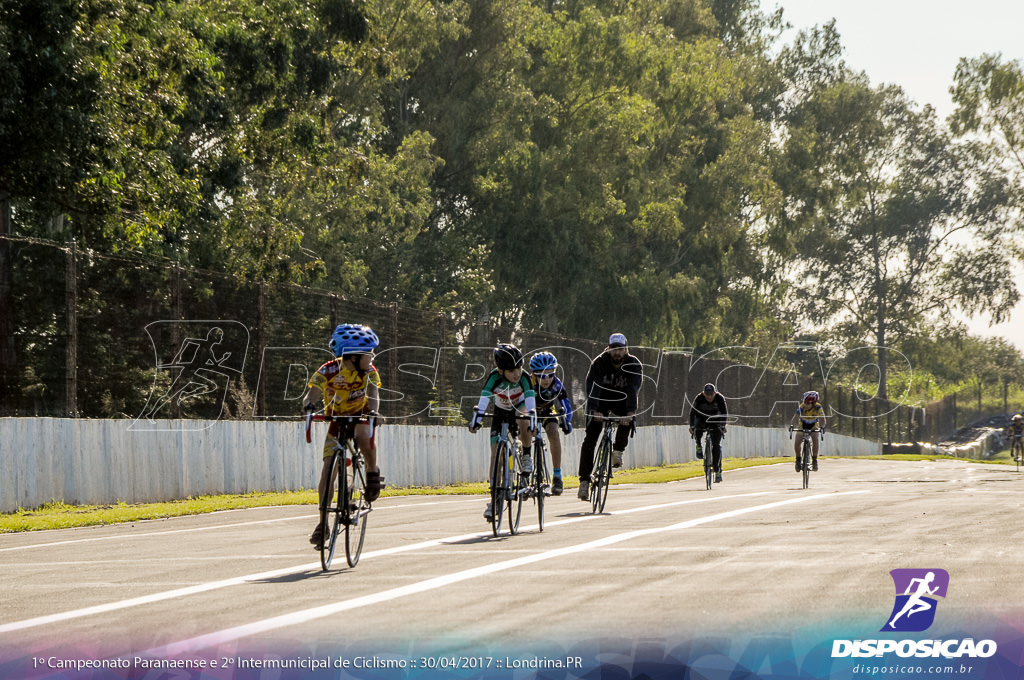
916 44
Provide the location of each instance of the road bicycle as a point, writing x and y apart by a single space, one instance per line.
1017 449
709 463
509 484
344 507
601 473
806 464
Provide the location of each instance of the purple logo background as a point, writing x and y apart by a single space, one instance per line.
916 592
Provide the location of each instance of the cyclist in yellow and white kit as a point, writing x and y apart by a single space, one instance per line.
811 416
349 386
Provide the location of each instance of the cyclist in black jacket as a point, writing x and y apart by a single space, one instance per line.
613 382
707 403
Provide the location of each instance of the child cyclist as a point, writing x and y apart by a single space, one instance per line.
349 386
810 413
514 400
551 392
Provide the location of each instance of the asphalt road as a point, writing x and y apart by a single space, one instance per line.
757 555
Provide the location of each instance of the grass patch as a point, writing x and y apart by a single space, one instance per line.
59 515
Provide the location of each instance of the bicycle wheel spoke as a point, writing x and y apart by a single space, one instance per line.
498 487
516 485
356 513
540 480
708 462
330 514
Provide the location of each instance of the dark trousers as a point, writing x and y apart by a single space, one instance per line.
716 443
593 433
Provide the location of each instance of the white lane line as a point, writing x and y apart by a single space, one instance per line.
287 571
214 527
305 615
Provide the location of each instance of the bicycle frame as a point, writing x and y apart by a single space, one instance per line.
343 503
540 485
709 463
507 484
806 451
601 474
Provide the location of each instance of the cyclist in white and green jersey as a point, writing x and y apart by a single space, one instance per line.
514 401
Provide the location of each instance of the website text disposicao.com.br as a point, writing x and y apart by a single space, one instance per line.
914 657
900 669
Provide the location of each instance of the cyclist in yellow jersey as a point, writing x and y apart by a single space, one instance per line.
349 386
1016 432
810 414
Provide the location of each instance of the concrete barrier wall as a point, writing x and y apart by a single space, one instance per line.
106 461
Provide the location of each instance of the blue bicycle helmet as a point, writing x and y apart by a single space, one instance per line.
351 338
543 362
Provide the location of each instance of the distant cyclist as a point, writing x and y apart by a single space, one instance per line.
551 398
514 401
349 386
1016 431
708 404
810 415
613 383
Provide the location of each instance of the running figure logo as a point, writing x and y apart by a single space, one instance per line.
914 610
209 355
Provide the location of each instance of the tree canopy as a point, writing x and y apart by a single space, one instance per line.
665 167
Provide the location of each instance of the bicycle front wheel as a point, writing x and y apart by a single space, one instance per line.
807 464
498 486
331 509
709 466
601 477
517 484
541 484
356 513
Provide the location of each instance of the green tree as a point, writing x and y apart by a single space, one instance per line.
578 140
989 98
897 224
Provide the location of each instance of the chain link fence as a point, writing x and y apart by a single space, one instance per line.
89 335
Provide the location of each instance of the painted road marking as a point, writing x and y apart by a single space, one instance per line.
305 615
286 571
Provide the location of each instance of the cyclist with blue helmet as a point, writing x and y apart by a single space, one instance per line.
514 401
811 416
349 385
553 410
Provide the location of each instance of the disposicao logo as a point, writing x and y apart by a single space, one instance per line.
916 591
914 611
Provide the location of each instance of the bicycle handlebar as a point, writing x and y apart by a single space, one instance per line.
819 430
320 417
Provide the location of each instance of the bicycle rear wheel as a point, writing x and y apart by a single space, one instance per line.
601 476
498 477
356 513
1016 452
709 465
806 465
517 484
540 479
331 507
